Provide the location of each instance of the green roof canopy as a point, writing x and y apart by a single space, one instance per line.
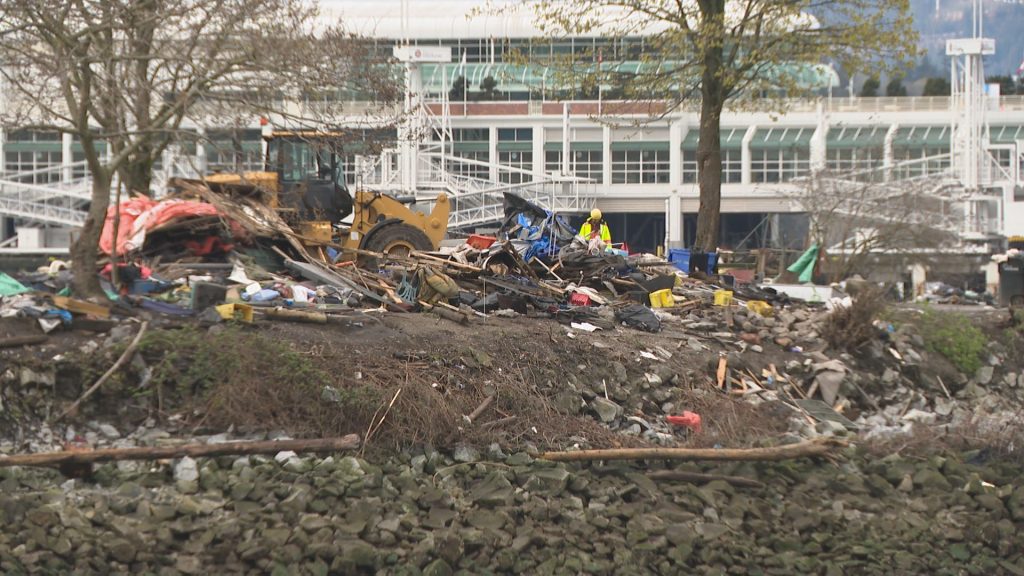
1006 134
782 138
574 146
921 136
856 137
731 138
522 78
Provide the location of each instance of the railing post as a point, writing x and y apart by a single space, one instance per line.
66 157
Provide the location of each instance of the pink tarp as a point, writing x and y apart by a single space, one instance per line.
141 214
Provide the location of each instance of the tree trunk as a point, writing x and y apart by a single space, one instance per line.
137 176
86 282
709 165
709 146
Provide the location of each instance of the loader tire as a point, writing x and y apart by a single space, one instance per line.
395 240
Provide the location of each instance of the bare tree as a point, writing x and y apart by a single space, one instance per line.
741 52
126 74
855 216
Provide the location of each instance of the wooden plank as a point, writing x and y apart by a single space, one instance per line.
81 307
723 365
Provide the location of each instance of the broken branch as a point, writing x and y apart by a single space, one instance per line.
23 340
806 449
349 442
480 409
125 357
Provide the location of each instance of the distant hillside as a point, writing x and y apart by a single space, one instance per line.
1003 20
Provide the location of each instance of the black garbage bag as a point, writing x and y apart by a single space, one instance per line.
640 317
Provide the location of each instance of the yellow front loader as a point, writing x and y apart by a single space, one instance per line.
304 181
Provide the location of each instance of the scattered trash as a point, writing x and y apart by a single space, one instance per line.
687 419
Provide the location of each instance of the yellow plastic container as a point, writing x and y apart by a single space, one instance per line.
241 312
662 299
723 297
760 307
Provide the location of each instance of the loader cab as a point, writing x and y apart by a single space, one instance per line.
309 170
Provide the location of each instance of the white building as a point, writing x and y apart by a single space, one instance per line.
578 151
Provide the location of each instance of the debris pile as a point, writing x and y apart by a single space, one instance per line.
221 256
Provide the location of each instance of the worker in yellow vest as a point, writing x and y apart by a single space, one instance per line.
596 227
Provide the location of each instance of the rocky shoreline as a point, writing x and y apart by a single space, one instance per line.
428 513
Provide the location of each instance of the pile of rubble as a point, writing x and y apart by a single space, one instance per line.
217 255
220 258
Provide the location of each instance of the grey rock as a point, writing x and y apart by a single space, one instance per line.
42 378
109 431
519 459
984 375
930 479
298 465
606 410
122 550
465 453
330 394
186 475
829 383
920 416
188 564
494 490
548 480
494 452
438 568
360 553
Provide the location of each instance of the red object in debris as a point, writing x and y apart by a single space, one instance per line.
689 420
208 245
480 242
579 299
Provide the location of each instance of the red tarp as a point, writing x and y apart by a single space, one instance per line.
141 214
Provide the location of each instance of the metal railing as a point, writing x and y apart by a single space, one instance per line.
56 200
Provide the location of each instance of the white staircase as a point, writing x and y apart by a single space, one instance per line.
474 201
945 204
61 200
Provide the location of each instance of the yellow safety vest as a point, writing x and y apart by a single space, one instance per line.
586 230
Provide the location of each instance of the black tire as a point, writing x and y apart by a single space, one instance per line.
395 240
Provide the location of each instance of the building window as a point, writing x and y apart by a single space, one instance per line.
732 166
778 165
515 159
515 134
35 136
36 162
221 157
852 159
689 166
582 163
587 164
468 135
467 169
553 161
640 166
921 167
